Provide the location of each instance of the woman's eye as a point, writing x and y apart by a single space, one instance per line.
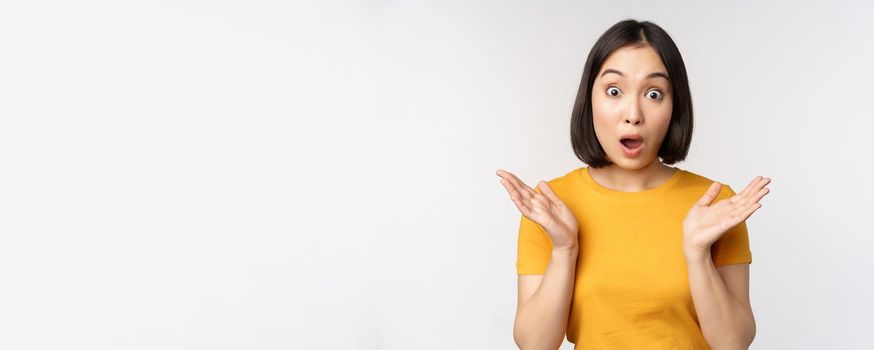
654 94
613 91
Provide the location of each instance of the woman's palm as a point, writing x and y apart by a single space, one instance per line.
706 221
543 207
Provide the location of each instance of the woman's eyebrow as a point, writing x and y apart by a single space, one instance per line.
651 75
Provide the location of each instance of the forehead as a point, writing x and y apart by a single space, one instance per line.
635 62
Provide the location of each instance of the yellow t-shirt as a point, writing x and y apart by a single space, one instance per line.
631 289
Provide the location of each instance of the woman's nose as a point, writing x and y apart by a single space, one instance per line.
634 116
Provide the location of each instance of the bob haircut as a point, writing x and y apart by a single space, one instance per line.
630 32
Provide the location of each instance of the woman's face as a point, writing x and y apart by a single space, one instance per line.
632 96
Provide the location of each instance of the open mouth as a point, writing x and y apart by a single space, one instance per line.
631 144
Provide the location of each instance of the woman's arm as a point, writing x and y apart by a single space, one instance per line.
541 317
544 302
721 301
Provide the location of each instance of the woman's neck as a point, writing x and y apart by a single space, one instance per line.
617 178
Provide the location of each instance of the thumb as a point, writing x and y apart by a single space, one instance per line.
710 195
546 190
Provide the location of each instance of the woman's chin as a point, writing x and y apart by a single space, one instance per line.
636 163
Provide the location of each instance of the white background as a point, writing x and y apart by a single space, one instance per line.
320 175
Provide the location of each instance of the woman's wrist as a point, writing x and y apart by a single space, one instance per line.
571 249
695 253
692 248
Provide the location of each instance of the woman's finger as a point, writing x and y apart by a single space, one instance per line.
508 186
710 195
756 193
525 205
547 190
524 209
762 183
765 182
523 190
751 186
750 210
762 192
526 191
748 193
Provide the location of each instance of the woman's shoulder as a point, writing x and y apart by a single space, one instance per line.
694 177
696 182
563 182
568 177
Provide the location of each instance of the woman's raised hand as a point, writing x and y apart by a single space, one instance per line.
544 208
705 223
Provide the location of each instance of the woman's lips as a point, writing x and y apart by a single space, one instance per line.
632 148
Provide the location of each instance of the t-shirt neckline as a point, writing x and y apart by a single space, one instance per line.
647 194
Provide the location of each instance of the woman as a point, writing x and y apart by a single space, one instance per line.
630 253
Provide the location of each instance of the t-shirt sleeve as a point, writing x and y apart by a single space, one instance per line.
734 246
534 248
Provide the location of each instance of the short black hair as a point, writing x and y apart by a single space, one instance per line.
631 32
